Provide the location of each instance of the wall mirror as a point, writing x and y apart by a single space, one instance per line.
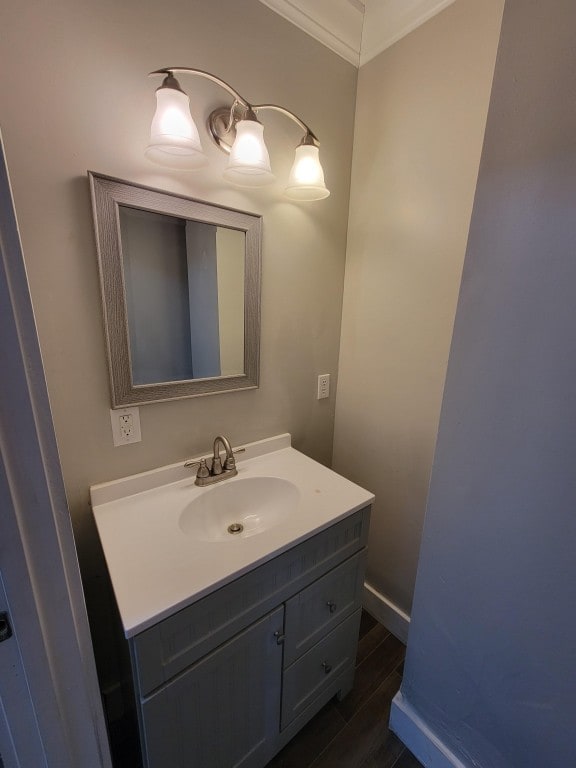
180 283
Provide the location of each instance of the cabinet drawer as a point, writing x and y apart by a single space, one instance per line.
305 680
164 650
315 611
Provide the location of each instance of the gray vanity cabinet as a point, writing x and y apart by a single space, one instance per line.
229 680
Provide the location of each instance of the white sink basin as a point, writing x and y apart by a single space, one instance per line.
166 540
239 508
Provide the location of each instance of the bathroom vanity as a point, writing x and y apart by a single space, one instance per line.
236 641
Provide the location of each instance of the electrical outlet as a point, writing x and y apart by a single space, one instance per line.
125 426
323 386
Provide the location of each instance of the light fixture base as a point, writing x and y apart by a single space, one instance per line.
222 128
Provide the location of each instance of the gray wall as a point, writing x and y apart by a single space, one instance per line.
74 95
491 667
420 118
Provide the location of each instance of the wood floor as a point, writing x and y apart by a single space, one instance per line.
354 733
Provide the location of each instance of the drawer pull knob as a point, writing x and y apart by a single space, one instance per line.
279 637
331 606
327 667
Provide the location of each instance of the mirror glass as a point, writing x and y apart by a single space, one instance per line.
184 283
180 288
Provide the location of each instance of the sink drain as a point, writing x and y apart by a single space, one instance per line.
235 528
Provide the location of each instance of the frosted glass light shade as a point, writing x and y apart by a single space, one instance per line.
174 139
249 162
306 180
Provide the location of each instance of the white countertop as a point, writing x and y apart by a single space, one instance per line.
157 569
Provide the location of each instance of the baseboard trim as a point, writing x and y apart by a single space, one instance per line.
420 740
386 612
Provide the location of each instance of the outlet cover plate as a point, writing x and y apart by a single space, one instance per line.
323 386
125 426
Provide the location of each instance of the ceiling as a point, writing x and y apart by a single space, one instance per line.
357 30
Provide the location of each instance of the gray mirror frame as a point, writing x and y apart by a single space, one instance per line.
108 194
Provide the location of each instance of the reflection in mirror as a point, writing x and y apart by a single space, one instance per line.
184 297
180 286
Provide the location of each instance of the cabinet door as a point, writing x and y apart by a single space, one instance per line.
223 712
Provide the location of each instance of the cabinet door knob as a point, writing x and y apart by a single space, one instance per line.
331 606
279 637
326 667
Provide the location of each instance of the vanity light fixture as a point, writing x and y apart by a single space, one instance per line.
175 140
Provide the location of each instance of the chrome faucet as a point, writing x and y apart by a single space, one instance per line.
206 475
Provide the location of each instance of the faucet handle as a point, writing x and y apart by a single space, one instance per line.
230 461
202 471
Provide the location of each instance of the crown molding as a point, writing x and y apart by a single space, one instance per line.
357 30
337 24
